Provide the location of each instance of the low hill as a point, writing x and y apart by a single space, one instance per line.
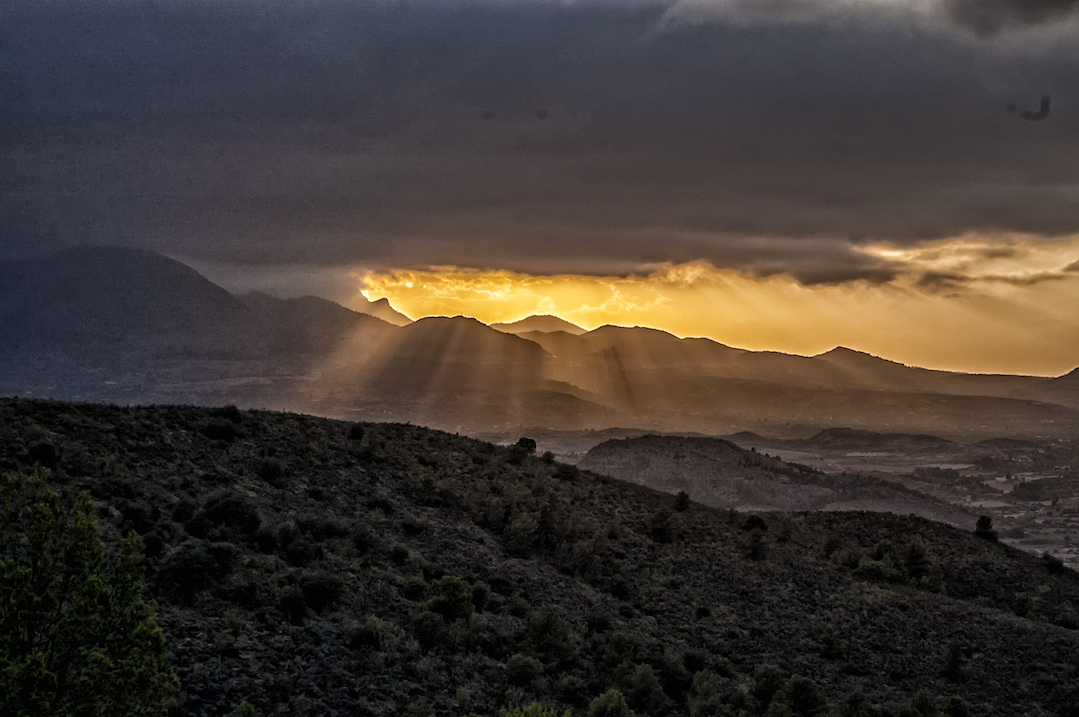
542 323
313 566
720 474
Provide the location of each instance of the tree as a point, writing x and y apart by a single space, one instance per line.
76 637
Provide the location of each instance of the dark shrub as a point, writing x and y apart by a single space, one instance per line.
229 413
370 636
232 510
754 522
44 453
452 598
302 552
220 431
272 471
1052 563
527 443
681 501
380 502
480 595
138 516
293 604
610 704
756 548
550 638
547 457
522 669
642 690
984 528
320 528
567 472
193 566
355 432
415 588
660 527
321 589
956 706
413 527
184 510
802 696
266 539
429 628
831 647
767 682
363 540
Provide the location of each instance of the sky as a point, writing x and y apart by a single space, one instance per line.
774 174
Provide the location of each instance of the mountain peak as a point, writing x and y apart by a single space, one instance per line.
544 323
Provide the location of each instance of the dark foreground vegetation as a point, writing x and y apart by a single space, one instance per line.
314 567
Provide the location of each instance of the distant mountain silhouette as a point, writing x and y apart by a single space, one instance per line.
381 309
107 323
543 323
94 297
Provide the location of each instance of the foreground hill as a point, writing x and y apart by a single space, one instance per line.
312 566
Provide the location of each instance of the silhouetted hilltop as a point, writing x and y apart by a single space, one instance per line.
381 309
321 567
542 323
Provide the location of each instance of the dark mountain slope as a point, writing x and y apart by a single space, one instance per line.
319 567
95 297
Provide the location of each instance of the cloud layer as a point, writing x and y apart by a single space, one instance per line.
593 137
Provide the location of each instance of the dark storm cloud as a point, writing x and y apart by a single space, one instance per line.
994 16
410 134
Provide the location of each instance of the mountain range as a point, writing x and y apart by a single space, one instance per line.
114 324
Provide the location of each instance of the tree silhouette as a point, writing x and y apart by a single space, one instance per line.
76 637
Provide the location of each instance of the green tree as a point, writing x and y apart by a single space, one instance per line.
76 637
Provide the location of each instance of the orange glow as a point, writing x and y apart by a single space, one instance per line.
1003 305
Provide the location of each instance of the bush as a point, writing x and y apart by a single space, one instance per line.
355 432
293 605
193 566
452 599
610 704
984 528
76 636
532 710
370 636
522 669
321 589
272 471
550 638
429 628
801 696
527 443
229 413
681 501
220 431
228 512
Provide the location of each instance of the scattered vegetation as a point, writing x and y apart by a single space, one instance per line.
316 567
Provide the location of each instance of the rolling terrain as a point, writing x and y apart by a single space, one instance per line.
312 566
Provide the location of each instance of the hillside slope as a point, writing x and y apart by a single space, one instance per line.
318 567
720 474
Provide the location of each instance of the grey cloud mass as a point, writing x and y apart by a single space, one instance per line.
409 134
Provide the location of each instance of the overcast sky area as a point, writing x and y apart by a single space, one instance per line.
826 143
